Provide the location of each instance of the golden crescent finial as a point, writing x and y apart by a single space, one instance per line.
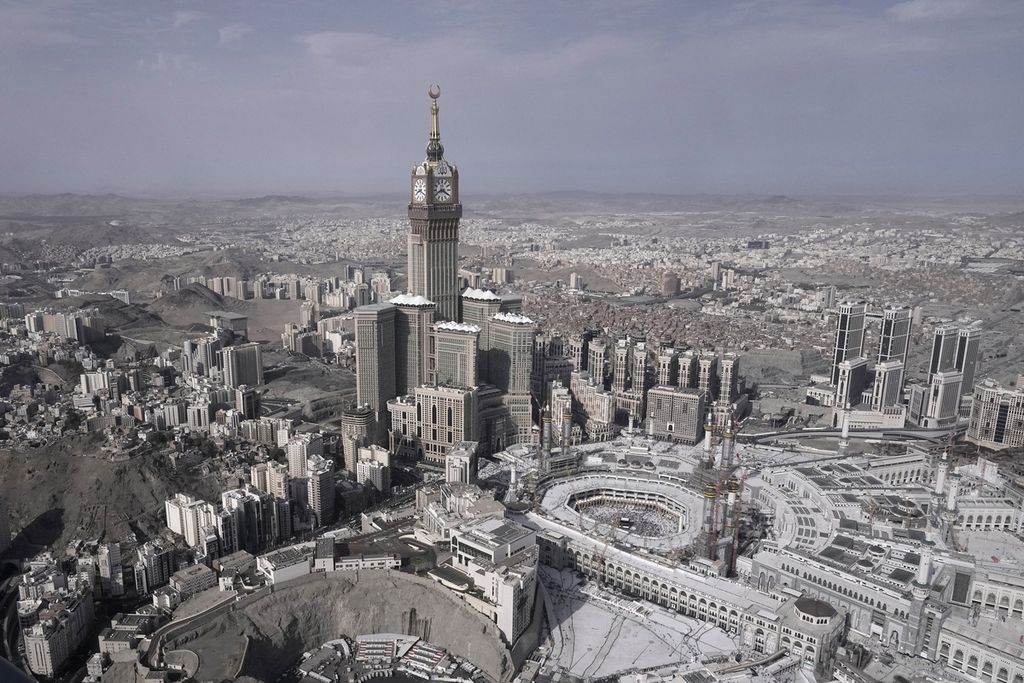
434 91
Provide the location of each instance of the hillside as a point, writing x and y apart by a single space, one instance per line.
62 491
188 306
188 298
116 314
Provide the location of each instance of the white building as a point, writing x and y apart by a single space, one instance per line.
498 557
373 467
60 619
300 449
187 516
285 564
460 462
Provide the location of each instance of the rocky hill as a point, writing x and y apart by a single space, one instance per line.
266 634
189 297
67 490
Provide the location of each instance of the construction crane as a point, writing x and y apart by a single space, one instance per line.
602 567
711 519
736 514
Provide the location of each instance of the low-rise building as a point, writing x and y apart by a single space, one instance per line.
332 555
285 564
193 579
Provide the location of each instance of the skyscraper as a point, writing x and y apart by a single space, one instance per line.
849 343
944 343
966 360
375 356
828 297
247 402
894 339
707 374
414 316
242 364
597 360
888 388
320 490
688 370
511 367
852 380
943 399
728 382
309 314
621 365
668 367
199 356
478 307
434 213
300 449
453 360
356 431
576 350
511 354
108 561
252 514
638 371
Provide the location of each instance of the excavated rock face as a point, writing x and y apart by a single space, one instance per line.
266 634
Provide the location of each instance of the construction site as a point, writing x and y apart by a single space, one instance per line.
683 503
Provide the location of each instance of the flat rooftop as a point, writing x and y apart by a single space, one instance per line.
286 557
495 532
192 571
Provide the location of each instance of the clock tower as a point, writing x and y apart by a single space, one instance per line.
434 213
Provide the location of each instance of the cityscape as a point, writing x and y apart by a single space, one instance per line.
448 433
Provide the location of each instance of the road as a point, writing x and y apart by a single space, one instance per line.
153 652
907 433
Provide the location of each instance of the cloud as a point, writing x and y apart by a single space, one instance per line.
43 24
756 95
233 33
914 10
185 17
344 45
165 61
944 10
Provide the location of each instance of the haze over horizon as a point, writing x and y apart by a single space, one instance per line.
919 96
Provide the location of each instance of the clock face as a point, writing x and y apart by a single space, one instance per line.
442 190
442 169
419 189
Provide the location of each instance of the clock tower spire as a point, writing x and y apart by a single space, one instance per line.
434 213
435 150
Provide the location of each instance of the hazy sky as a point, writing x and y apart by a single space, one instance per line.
772 96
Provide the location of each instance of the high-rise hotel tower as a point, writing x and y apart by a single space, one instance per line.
434 213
